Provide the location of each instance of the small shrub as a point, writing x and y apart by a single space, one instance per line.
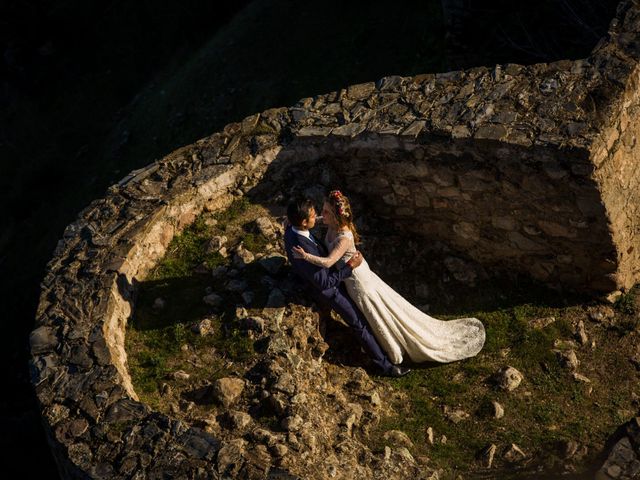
626 303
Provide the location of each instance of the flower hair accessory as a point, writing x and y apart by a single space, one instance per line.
340 202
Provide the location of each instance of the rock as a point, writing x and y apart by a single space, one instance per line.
357 410
565 344
242 258
514 453
273 263
498 410
258 462
43 339
230 457
285 384
429 435
227 390
213 300
508 378
276 299
569 359
265 227
601 313
570 448
248 297
238 420
580 378
256 324
279 450
216 243
387 453
181 375
219 272
203 328
210 221
455 416
237 286
374 398
613 297
398 438
265 436
404 454
487 454
292 424
159 304
581 333
635 361
540 323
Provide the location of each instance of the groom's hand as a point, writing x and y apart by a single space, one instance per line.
355 261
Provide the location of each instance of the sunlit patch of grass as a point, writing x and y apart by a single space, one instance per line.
186 251
232 212
548 409
626 303
255 242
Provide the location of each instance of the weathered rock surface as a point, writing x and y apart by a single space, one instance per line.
508 378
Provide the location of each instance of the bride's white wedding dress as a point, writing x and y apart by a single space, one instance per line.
400 328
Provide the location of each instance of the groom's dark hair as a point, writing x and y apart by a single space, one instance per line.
298 210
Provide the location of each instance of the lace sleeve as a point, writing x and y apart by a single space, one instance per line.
340 248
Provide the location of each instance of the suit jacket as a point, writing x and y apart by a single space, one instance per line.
323 280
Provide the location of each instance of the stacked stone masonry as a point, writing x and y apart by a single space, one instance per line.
531 168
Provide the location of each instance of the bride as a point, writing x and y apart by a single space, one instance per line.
400 328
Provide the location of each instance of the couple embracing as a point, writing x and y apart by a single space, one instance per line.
387 326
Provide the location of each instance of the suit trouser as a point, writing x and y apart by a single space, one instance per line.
348 310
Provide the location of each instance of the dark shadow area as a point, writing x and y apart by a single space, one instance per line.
489 32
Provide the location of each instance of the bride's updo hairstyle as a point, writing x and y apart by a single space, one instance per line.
342 210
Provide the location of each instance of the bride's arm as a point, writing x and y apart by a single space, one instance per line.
339 249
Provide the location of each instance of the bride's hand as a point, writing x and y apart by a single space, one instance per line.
298 252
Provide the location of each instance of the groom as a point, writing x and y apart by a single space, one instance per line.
326 285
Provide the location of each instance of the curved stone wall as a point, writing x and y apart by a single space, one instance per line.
527 166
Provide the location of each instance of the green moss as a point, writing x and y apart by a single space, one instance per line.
626 303
255 242
186 251
232 212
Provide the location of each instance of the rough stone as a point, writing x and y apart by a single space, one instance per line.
213 300
398 438
265 227
498 410
514 453
273 263
242 257
216 243
228 390
203 327
508 378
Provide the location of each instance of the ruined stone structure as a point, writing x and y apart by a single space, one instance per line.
531 168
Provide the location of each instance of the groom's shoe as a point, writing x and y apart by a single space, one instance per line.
398 371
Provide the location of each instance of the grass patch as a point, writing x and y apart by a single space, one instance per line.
546 410
232 212
186 251
160 341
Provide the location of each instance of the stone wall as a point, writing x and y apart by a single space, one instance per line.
530 167
530 209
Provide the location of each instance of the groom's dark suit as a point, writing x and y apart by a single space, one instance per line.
327 287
